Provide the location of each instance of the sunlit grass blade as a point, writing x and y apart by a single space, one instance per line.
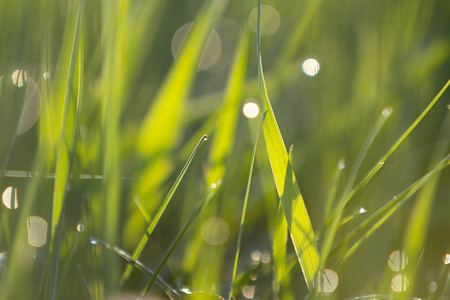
161 209
171 292
65 151
331 230
180 234
379 218
140 205
244 208
224 133
297 217
419 220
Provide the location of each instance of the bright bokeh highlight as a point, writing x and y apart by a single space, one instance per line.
399 283
37 231
250 110
9 198
215 231
311 67
270 20
326 281
397 260
19 78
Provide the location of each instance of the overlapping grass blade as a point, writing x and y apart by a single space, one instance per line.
193 216
65 151
244 208
171 292
294 208
161 210
337 215
419 220
380 217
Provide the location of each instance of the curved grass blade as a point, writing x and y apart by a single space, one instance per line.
161 210
195 213
244 209
330 232
380 217
171 292
297 217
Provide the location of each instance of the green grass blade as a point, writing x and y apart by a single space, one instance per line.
244 209
180 234
65 152
224 133
380 217
169 290
297 217
419 220
161 210
140 205
330 232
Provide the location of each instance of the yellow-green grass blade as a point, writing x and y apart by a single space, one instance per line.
141 206
419 220
192 217
380 217
65 151
171 292
397 144
224 133
330 232
294 208
137 252
162 125
244 209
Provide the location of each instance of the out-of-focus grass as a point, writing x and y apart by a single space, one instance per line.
141 112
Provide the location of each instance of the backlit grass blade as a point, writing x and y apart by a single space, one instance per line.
65 151
419 221
294 208
180 234
244 208
161 210
171 292
337 215
140 205
224 133
380 217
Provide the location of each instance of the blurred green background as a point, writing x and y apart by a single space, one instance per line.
134 113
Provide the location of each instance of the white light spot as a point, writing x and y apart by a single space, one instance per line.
399 283
80 227
250 110
215 231
248 291
19 78
397 260
387 111
213 185
362 210
326 281
37 231
265 258
432 287
9 198
311 67
256 255
93 241
270 20
447 259
46 75
211 52
341 164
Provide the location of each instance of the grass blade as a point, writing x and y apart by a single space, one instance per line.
180 234
161 210
297 217
244 208
380 217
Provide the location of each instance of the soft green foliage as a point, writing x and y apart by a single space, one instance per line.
103 104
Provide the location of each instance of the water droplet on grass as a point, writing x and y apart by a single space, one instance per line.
93 241
447 259
311 67
205 137
362 210
80 227
256 255
46 75
387 111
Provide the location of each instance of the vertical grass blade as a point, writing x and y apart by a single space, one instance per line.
65 152
180 234
294 208
244 208
161 210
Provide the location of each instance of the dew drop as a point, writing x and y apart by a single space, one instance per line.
9 198
205 137
362 210
46 75
93 241
213 185
447 259
311 67
341 164
256 255
387 112
250 110
80 227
